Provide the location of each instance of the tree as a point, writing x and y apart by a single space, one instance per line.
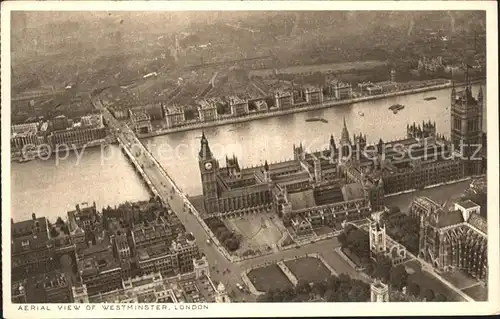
429 295
414 289
303 287
224 235
440 297
399 277
382 268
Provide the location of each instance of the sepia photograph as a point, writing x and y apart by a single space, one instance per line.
249 158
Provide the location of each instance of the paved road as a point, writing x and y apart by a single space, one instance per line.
221 268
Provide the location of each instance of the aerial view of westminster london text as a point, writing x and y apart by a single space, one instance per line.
247 156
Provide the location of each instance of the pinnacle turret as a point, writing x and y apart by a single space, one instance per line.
344 138
205 152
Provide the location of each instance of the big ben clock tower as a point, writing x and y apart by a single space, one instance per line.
467 127
208 169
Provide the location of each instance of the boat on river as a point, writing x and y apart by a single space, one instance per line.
316 119
430 98
396 107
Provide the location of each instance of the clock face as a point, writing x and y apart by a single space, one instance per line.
208 166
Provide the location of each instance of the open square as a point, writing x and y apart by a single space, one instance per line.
269 278
310 269
258 231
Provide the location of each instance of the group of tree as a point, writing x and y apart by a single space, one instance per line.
340 288
357 241
381 267
227 238
398 278
402 228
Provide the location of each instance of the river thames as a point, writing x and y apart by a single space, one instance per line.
50 188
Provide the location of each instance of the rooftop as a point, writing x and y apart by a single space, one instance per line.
153 251
304 199
478 222
311 88
97 258
468 204
174 109
352 191
206 104
139 115
54 280
450 218
25 227
282 93
245 190
234 99
292 178
94 120
142 233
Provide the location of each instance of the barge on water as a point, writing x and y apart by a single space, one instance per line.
396 107
316 119
431 98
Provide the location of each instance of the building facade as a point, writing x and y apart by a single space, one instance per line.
207 111
140 121
239 107
283 100
174 116
452 238
333 185
339 90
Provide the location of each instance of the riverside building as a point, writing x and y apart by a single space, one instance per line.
344 182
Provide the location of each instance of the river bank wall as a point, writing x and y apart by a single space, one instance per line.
276 113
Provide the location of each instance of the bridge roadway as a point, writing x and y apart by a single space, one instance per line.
222 269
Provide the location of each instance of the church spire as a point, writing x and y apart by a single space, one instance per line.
266 166
344 137
205 153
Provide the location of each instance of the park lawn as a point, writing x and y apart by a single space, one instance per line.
310 269
269 278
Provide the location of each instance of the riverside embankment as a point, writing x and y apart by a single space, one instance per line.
306 108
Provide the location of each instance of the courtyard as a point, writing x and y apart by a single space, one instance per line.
269 278
258 232
309 269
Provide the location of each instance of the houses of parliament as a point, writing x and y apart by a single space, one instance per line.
349 179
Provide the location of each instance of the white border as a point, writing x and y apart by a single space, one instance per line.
265 309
